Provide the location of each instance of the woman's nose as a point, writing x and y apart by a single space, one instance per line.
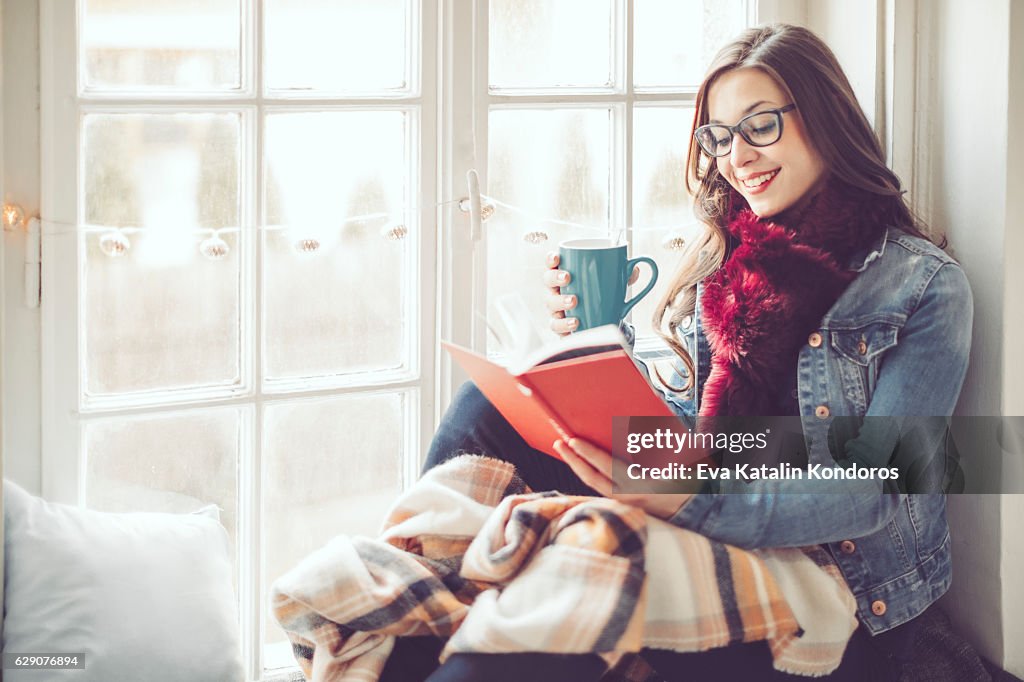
742 152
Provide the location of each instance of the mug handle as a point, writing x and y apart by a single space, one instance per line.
630 264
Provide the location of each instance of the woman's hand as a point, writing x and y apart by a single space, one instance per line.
594 467
558 303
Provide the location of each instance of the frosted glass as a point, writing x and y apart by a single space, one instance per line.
553 163
162 316
332 46
190 45
171 463
675 40
543 44
331 466
660 141
341 308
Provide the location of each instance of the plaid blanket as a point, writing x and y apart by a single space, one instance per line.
470 554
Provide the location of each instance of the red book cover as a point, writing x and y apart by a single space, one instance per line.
576 397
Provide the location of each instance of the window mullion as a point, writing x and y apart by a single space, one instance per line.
480 144
425 223
251 465
463 126
60 371
625 154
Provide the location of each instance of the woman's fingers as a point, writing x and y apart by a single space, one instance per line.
635 275
564 325
556 278
586 473
593 455
592 464
558 303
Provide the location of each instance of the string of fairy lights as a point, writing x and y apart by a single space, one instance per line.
116 242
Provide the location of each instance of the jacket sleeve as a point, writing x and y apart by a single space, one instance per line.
922 375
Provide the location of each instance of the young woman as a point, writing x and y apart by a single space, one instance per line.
813 293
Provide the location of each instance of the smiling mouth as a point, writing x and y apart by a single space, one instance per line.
760 180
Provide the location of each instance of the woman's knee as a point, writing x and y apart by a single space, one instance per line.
468 403
470 424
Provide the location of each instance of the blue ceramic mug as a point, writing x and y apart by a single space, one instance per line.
599 275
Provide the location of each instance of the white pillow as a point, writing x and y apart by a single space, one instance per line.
146 596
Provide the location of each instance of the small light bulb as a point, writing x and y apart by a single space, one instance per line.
308 245
673 242
115 244
486 209
214 247
535 237
13 216
394 232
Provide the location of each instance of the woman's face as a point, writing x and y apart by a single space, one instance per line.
789 171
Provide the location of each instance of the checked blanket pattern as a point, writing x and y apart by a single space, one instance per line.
471 554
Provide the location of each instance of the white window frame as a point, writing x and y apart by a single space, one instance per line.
61 105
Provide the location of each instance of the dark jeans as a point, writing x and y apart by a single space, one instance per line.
473 425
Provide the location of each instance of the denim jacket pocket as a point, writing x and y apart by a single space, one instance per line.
859 349
922 510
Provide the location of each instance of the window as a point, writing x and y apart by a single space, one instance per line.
252 242
588 109
236 264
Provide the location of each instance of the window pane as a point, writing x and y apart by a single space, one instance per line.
330 467
553 163
172 463
327 46
343 307
163 315
161 44
542 44
675 40
660 140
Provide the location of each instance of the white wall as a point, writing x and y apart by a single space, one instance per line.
1013 320
21 386
851 29
965 63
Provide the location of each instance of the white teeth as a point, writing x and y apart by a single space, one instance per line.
759 180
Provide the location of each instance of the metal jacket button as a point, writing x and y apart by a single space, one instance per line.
814 340
821 411
847 547
878 607
862 348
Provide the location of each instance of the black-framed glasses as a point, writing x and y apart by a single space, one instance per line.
759 129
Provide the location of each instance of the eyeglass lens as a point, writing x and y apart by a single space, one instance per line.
760 130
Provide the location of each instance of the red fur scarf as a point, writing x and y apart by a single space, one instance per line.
776 285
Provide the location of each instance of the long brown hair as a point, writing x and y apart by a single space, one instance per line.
805 69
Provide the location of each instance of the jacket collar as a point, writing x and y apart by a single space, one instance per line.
862 259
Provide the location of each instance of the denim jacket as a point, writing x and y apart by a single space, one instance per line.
896 342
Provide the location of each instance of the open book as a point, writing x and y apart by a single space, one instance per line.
572 387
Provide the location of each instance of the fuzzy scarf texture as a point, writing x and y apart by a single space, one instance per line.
779 280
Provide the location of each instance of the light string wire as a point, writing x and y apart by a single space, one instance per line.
77 228
580 226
